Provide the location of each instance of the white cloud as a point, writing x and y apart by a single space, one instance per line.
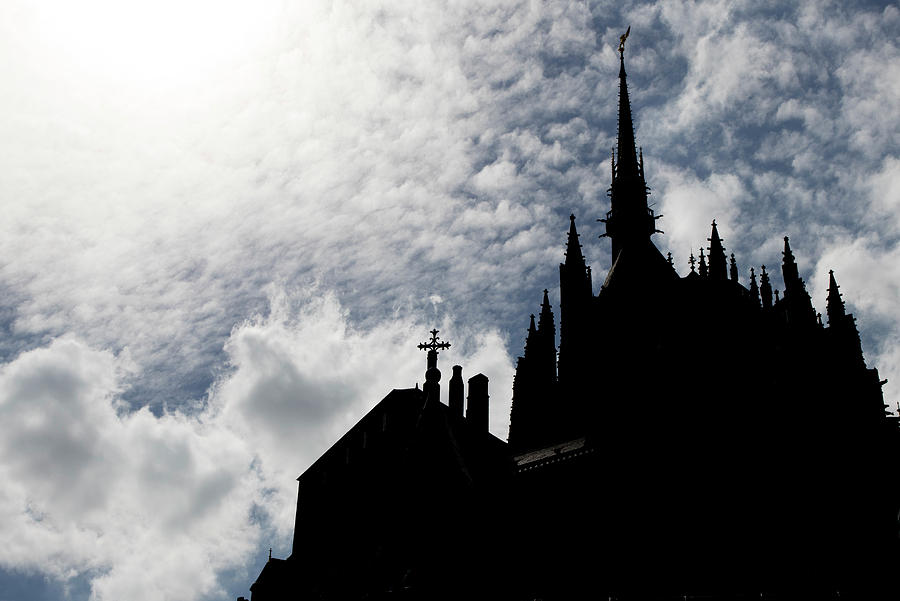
141 501
151 507
688 207
394 153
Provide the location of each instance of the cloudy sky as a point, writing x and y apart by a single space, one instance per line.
226 224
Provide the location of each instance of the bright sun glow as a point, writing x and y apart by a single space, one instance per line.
159 42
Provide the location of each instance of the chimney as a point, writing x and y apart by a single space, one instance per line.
456 392
477 404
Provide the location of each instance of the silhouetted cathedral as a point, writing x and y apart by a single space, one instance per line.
694 437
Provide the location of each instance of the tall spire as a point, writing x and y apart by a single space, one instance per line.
834 305
627 165
629 221
717 263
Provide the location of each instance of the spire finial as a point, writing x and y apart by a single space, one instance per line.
692 260
704 271
433 374
622 39
669 258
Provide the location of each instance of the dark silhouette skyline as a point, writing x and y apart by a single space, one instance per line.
692 437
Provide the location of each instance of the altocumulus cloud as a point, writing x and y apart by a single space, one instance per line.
222 236
150 507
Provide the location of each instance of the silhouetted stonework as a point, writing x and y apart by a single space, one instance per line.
694 437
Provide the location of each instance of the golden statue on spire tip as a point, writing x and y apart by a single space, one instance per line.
622 39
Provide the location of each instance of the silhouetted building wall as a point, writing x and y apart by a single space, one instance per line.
694 436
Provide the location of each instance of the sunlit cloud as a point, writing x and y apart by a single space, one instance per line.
226 225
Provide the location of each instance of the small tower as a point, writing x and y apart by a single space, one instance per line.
704 270
734 269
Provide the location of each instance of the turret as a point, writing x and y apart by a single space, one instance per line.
532 409
765 289
734 269
531 339
799 306
754 290
575 294
842 325
704 271
546 340
834 304
717 261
